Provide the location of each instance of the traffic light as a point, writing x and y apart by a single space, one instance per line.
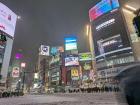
0 76
3 38
136 22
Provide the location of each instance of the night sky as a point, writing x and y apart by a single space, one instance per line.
48 22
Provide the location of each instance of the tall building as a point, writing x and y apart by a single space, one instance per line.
116 44
43 66
49 68
56 67
7 30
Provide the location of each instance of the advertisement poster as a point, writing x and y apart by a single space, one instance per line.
74 74
7 20
15 72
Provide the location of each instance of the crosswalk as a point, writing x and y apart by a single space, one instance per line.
66 99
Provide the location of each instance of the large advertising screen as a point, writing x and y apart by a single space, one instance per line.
110 36
70 43
110 44
71 61
7 20
102 7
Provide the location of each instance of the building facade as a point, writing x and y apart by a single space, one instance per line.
114 37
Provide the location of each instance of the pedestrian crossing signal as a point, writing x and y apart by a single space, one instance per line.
136 22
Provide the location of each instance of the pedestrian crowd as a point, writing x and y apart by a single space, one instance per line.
95 90
6 94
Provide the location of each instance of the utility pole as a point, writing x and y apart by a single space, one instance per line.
23 81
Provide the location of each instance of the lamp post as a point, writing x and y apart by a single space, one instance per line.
90 40
23 65
89 35
19 85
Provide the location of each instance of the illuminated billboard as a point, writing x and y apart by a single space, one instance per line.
44 50
74 74
109 40
70 43
85 56
7 20
56 50
110 44
71 61
102 7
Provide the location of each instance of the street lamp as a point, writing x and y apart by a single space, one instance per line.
87 29
90 39
91 44
18 17
23 65
88 33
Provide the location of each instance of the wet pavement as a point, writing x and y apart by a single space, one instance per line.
66 99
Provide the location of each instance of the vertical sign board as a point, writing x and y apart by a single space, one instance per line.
7 20
15 72
74 74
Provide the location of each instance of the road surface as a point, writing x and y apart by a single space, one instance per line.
66 99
